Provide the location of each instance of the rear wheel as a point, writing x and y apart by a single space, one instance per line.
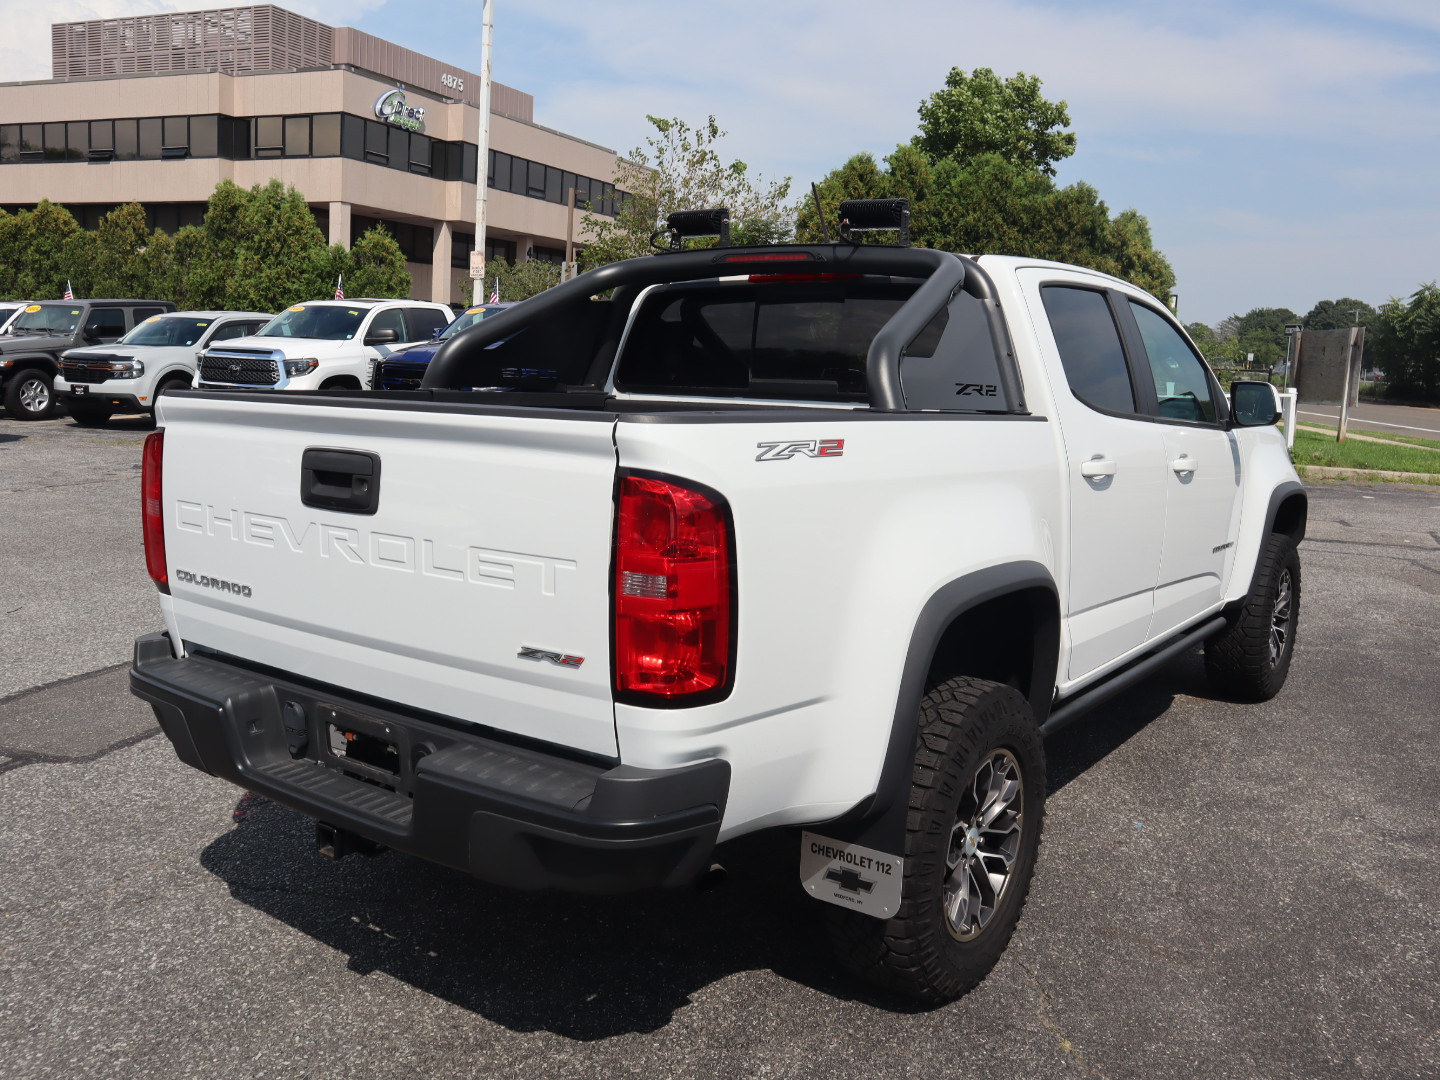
977 799
87 415
29 395
1250 658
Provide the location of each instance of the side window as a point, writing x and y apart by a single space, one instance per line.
235 330
393 319
950 366
143 313
107 324
424 322
1181 383
1090 349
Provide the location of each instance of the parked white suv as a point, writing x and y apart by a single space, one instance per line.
324 345
160 354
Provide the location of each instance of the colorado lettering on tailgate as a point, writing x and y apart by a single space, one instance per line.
388 551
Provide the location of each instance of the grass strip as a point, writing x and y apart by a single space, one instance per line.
1312 448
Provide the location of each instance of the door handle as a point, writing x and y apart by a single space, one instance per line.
1097 467
1184 464
345 480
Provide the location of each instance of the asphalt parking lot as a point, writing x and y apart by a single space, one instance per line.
1224 890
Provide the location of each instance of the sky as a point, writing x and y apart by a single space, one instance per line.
1284 151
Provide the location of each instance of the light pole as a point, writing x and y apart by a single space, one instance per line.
482 156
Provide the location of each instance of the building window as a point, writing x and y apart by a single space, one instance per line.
127 140
320 135
176 131
269 136
325 135
54 142
297 136
204 136
150 139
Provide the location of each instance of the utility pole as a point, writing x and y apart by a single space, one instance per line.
482 156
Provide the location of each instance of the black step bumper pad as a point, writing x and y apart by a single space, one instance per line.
512 814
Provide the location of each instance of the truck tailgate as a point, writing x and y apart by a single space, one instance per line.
478 588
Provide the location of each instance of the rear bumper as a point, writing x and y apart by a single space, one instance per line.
522 816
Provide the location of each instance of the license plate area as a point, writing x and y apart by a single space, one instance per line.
79 391
366 748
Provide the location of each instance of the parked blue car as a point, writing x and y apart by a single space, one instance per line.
404 370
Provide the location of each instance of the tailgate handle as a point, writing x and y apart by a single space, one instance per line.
345 480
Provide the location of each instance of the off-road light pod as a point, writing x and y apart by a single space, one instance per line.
684 225
876 215
153 511
674 598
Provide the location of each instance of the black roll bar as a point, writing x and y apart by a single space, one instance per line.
944 274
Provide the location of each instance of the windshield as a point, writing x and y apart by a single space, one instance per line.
163 330
313 321
47 319
470 318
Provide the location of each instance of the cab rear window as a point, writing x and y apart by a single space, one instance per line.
805 340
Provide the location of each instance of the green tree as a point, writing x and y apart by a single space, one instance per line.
40 250
1206 340
516 280
375 265
980 114
680 168
1407 344
1339 314
280 256
122 261
1261 331
990 205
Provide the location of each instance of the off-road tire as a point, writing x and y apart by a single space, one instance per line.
88 415
965 725
1250 658
30 395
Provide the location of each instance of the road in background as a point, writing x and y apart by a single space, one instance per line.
1395 419
1224 890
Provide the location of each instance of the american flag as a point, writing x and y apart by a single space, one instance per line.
340 287
69 294
495 296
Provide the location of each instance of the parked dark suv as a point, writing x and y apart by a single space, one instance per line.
30 352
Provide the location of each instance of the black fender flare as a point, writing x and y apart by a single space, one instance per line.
1283 493
879 821
23 361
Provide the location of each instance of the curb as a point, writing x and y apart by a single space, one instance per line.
1385 476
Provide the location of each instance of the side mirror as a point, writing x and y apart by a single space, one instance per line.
387 336
1254 404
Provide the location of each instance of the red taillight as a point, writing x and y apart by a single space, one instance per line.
769 256
153 513
803 277
673 602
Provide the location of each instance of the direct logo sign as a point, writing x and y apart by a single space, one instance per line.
850 876
393 108
789 448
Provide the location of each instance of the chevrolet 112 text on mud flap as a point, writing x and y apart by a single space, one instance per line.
820 537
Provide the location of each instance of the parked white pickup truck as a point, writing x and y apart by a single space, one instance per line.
824 538
322 345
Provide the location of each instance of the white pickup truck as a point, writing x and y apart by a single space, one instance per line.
824 538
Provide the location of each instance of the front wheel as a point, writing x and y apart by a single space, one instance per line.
1250 658
29 396
977 800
